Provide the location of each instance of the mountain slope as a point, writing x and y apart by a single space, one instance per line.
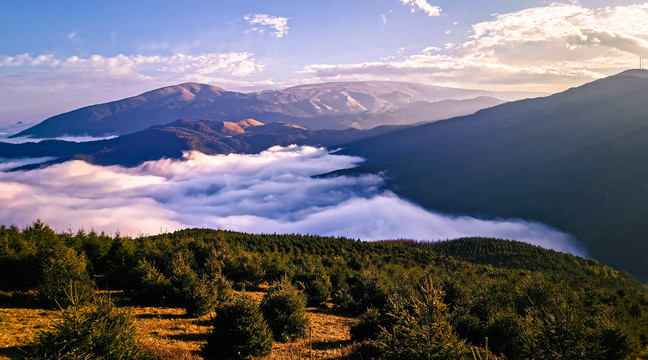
575 160
159 107
168 141
406 114
300 105
172 140
337 98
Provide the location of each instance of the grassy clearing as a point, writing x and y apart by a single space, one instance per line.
168 333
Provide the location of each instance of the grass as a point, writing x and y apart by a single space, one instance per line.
169 334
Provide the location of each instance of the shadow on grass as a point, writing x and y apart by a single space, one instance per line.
204 322
16 352
188 337
19 300
328 311
328 345
162 316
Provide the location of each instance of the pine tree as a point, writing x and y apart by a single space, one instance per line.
239 332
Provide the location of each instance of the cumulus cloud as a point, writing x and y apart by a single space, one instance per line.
277 23
545 48
274 191
422 5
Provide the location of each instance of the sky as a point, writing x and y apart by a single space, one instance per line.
56 56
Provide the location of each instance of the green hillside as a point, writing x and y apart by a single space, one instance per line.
492 296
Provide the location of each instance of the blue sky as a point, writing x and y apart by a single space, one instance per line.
57 56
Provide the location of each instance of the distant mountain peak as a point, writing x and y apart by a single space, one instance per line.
185 92
640 73
249 122
194 87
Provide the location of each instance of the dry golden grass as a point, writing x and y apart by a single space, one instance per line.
18 327
169 334
328 338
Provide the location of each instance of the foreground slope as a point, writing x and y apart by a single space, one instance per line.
574 160
486 295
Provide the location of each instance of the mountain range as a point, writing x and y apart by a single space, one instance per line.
319 106
573 160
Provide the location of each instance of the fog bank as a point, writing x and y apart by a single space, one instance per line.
274 191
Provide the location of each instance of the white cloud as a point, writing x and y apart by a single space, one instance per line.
237 63
8 164
77 139
430 49
546 48
71 36
424 6
383 17
279 24
274 191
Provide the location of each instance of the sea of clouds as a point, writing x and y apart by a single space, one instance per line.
276 191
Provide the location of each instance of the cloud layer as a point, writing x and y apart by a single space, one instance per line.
274 191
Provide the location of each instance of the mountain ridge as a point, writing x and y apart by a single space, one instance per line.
300 105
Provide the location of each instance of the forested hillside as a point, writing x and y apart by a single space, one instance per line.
492 296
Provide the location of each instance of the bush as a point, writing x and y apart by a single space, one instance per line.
421 329
245 269
317 286
197 294
370 288
368 325
150 286
99 331
239 332
284 308
61 269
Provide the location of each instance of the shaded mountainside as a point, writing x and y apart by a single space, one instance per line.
172 140
575 161
169 141
301 105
